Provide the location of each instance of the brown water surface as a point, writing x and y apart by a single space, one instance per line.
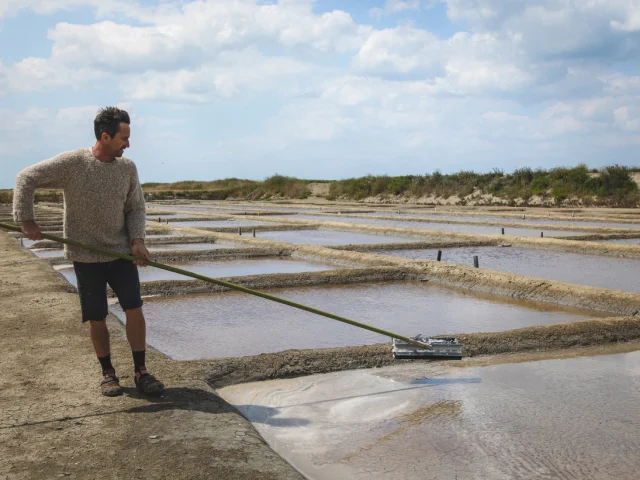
567 419
235 324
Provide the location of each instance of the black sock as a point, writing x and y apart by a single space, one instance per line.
138 360
105 362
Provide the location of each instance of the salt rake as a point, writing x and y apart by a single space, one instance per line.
403 347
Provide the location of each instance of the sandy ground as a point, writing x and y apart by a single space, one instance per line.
55 423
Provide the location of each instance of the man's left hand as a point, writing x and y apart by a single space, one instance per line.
139 249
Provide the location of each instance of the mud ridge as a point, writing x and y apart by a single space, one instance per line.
414 246
259 228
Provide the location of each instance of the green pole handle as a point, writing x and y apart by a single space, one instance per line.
233 286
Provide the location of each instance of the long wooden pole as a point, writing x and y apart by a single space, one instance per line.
233 286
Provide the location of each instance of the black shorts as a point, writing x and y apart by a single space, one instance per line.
92 278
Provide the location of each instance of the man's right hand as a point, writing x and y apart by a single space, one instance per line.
31 230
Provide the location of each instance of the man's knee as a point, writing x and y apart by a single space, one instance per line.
97 325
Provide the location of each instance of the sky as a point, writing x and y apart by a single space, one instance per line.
323 89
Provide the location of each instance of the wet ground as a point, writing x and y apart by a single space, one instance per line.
444 227
234 324
219 268
332 237
556 419
593 270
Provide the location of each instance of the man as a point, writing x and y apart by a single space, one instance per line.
103 206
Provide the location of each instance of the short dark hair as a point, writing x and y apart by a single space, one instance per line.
108 120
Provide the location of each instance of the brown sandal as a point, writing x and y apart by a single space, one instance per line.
110 386
149 384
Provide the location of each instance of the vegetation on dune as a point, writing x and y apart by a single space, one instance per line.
612 185
276 186
609 186
55 196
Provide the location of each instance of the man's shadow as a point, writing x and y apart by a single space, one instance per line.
175 398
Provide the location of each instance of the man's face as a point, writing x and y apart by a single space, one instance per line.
118 143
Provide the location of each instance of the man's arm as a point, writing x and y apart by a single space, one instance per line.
51 173
136 217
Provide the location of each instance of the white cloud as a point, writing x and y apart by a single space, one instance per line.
199 31
37 74
121 48
584 29
400 50
530 81
620 84
627 118
231 75
463 64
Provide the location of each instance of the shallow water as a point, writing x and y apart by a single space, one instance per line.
219 223
233 324
332 237
190 246
593 270
151 217
573 418
167 234
443 227
48 252
219 268
26 242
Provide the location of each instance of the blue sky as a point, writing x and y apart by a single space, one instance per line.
323 89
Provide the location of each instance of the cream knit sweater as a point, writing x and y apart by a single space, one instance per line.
103 202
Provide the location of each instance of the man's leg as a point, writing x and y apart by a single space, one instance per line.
123 279
92 289
100 337
136 334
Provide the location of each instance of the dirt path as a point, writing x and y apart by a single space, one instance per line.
55 423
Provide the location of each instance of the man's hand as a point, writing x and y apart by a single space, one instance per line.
31 230
138 249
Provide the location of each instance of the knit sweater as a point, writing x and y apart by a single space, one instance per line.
103 201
